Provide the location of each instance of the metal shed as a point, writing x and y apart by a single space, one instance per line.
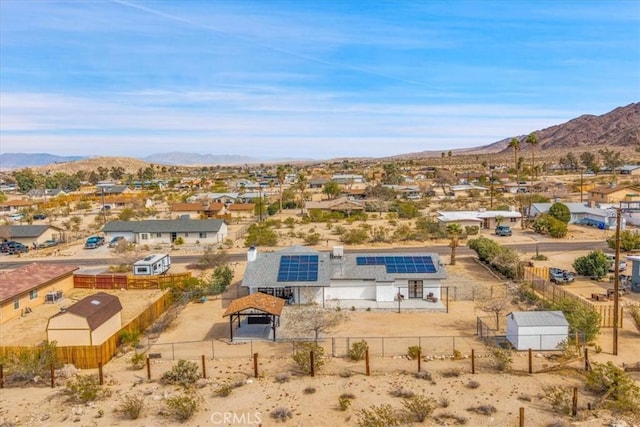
537 330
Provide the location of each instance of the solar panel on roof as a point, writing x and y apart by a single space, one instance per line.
400 264
298 268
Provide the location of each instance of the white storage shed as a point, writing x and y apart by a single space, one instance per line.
537 330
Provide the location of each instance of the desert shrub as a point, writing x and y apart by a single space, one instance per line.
344 401
444 402
358 350
130 338
502 359
312 238
414 352
423 375
561 212
457 355
504 260
378 416
182 406
471 230
355 236
418 408
629 240
451 373
131 406
401 392
28 363
179 241
581 318
621 390
185 373
138 361
309 390
302 358
260 235
524 398
560 398
282 378
595 264
85 388
483 409
443 417
223 390
281 414
345 373
473 384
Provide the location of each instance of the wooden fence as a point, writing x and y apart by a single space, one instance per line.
126 281
538 278
88 357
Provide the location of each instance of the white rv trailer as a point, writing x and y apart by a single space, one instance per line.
152 265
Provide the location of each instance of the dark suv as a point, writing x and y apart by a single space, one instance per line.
93 242
6 246
17 248
503 230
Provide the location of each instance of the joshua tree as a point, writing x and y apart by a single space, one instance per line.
533 140
454 230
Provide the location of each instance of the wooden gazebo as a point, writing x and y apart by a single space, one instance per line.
255 306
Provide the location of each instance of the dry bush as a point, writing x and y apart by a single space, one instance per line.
85 388
483 409
182 406
559 397
131 406
401 392
185 373
451 373
418 408
473 384
378 416
281 414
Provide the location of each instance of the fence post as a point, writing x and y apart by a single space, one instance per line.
213 352
312 364
2 375
521 424
100 374
173 351
204 368
419 358
530 363
382 346
366 359
255 365
148 368
473 361
586 359
574 404
53 376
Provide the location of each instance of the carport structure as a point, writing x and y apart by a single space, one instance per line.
258 308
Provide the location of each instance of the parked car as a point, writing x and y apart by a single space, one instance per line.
503 230
16 217
18 248
48 243
114 242
5 246
94 242
622 265
558 275
39 216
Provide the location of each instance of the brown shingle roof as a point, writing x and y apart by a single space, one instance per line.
23 279
259 301
241 207
96 308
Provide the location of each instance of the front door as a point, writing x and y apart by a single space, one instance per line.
415 288
173 237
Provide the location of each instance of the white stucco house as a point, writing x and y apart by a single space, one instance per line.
537 330
203 231
485 219
583 213
303 275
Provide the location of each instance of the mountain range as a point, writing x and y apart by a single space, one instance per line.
619 128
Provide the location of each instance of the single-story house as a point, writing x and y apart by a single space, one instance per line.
39 193
581 213
26 287
629 170
341 204
407 191
302 275
29 235
90 321
614 193
196 210
481 218
243 210
204 231
112 190
317 182
537 330
467 189
518 187
347 179
15 206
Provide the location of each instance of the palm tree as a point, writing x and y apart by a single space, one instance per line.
454 230
515 145
533 140
442 155
449 154
281 173
301 186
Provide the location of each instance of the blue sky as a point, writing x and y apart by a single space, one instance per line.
305 79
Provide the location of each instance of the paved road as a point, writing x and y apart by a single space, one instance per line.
10 261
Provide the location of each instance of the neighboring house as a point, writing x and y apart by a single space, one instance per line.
515 187
614 193
224 198
243 210
581 213
341 204
629 170
196 210
317 182
303 275
26 287
39 193
130 200
481 218
30 234
204 231
406 191
247 185
14 206
112 190
347 179
467 190
90 321
537 330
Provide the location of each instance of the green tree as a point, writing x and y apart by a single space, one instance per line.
629 240
260 235
454 230
595 264
127 214
533 141
561 212
581 318
331 189
589 161
611 159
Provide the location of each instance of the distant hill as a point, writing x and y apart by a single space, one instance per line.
22 160
129 164
194 159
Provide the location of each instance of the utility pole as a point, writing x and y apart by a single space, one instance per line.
616 279
491 190
581 183
104 211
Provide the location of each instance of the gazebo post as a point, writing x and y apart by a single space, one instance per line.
231 327
273 325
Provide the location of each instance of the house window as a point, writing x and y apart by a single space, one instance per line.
144 236
33 294
158 235
202 235
415 288
513 219
16 303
